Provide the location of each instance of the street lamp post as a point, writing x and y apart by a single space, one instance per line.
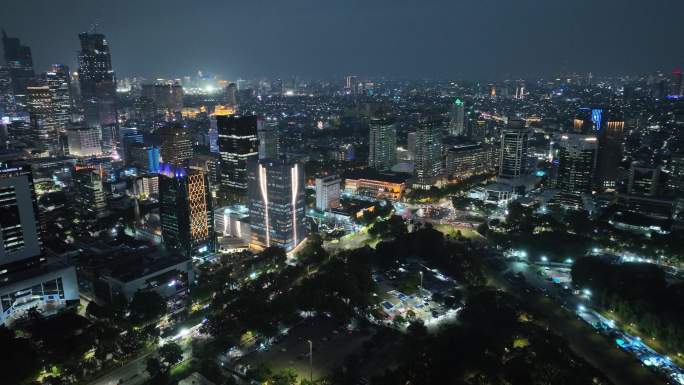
310 360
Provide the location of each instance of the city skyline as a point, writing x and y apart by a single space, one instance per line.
441 40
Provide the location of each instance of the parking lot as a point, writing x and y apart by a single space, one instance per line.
331 341
414 291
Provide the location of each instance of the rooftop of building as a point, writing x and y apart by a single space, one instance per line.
384 176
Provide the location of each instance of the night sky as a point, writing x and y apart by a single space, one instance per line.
438 39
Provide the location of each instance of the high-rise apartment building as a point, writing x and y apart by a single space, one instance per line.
176 144
97 81
185 210
467 160
238 143
576 165
382 144
43 127
457 118
276 203
428 162
58 81
514 150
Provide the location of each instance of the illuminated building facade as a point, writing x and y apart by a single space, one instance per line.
276 203
464 161
84 141
576 166
238 143
185 210
378 186
43 127
59 83
457 118
428 161
382 144
328 192
176 144
514 148
97 81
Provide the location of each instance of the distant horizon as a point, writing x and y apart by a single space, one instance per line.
440 39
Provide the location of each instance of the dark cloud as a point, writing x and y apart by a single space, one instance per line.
403 38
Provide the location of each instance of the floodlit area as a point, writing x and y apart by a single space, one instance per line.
634 345
415 292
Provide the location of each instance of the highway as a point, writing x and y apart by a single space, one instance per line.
620 367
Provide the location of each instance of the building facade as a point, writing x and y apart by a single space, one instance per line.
238 143
97 81
328 192
428 159
185 210
514 150
276 204
576 166
382 144
176 145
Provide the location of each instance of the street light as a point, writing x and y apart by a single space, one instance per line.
310 360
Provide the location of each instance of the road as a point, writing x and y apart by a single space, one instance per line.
135 372
618 366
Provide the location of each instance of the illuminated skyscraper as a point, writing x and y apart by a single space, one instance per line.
176 144
576 165
428 162
276 203
457 118
237 144
382 144
59 83
514 149
97 80
185 210
43 127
